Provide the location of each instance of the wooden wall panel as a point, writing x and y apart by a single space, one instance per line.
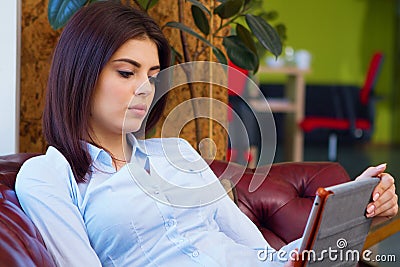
37 42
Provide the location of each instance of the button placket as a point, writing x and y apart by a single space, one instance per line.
170 223
195 253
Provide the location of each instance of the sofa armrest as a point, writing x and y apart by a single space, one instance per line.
22 244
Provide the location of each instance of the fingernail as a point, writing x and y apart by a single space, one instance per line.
370 209
375 197
369 215
381 166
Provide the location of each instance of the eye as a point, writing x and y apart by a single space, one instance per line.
125 74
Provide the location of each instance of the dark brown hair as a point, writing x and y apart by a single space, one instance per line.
86 44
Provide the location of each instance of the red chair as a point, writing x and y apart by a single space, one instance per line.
237 80
354 113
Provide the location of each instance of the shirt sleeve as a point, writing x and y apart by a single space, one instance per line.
229 217
45 192
235 224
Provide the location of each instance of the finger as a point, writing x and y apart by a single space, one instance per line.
381 195
372 171
387 182
388 209
385 206
294 255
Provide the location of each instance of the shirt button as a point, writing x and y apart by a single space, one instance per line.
170 223
156 192
195 253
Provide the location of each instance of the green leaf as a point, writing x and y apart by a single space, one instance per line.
239 54
60 11
228 9
218 53
265 33
271 15
200 5
246 37
147 4
200 19
281 30
220 56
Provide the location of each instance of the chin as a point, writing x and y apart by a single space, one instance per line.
131 129
131 126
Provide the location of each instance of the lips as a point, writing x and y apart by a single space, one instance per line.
138 109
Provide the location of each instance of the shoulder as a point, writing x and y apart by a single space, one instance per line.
50 168
53 160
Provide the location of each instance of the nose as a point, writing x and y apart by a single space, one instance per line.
145 87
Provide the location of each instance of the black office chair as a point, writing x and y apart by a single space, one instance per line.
354 113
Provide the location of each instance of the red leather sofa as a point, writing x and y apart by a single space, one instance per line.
279 207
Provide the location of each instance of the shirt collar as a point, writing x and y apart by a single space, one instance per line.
137 145
99 154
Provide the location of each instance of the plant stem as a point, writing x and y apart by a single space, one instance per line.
185 47
227 23
181 11
139 6
210 121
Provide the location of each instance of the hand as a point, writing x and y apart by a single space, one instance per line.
384 198
291 263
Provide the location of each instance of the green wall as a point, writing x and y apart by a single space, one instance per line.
341 36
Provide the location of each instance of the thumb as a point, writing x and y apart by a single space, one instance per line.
373 171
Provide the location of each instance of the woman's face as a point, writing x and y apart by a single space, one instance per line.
123 92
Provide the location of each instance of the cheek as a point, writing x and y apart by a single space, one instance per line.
114 96
109 103
150 98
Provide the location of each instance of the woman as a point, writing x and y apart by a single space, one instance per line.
87 201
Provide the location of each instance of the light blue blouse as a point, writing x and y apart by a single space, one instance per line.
165 208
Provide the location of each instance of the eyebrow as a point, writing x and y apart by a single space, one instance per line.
135 63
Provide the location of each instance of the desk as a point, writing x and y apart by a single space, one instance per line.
381 231
292 105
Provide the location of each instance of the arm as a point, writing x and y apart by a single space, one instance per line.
229 217
46 195
237 225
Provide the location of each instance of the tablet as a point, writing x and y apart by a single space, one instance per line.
337 226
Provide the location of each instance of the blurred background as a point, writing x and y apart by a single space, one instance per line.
341 37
